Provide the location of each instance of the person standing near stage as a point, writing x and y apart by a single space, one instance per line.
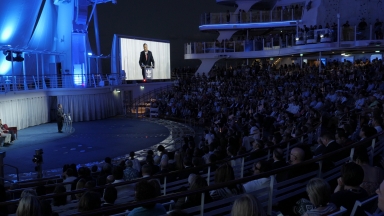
60 117
146 59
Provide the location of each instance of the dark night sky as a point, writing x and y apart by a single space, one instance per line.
173 20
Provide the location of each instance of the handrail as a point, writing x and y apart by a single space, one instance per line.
17 170
123 207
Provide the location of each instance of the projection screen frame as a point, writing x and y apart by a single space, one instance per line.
162 63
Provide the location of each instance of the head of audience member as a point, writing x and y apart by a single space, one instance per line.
150 152
326 138
259 167
224 173
145 191
352 175
89 201
247 205
155 183
146 170
278 154
40 190
128 164
110 195
341 137
110 179
69 173
132 155
59 200
366 132
197 183
29 205
297 155
319 192
108 160
118 173
257 144
74 169
361 157
28 192
380 193
161 149
83 172
94 168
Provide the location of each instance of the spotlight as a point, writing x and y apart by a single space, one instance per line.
18 58
8 56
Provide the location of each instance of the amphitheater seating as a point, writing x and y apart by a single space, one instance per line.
369 206
340 212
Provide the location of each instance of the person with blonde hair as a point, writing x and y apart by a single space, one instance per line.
247 205
29 205
319 193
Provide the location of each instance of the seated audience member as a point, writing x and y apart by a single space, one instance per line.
110 196
247 205
106 170
319 194
80 185
136 163
29 205
154 168
348 189
260 183
59 200
195 182
163 152
257 150
8 134
110 179
373 176
278 162
118 174
156 184
225 173
342 138
145 191
89 201
130 173
327 145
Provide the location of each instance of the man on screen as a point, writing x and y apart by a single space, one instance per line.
146 59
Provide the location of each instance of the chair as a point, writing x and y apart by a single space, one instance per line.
367 205
340 212
14 129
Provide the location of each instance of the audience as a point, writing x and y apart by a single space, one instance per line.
29 205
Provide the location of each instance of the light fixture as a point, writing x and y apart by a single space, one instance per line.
141 87
301 54
363 52
89 53
18 57
377 51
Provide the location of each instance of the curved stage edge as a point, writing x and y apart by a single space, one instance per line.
89 143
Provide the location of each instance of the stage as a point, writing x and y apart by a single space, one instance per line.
90 142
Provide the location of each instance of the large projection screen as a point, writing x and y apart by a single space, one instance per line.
130 50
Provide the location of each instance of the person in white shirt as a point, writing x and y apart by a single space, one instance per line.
260 183
376 123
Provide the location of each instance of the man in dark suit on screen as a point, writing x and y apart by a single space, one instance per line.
146 59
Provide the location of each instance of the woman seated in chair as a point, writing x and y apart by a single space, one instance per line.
8 134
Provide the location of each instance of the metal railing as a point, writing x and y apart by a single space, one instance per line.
251 17
31 82
373 35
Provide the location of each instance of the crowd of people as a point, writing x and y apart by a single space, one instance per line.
248 109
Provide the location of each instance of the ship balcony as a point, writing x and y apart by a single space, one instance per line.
275 45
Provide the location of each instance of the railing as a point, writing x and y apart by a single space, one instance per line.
251 17
240 46
30 82
373 35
